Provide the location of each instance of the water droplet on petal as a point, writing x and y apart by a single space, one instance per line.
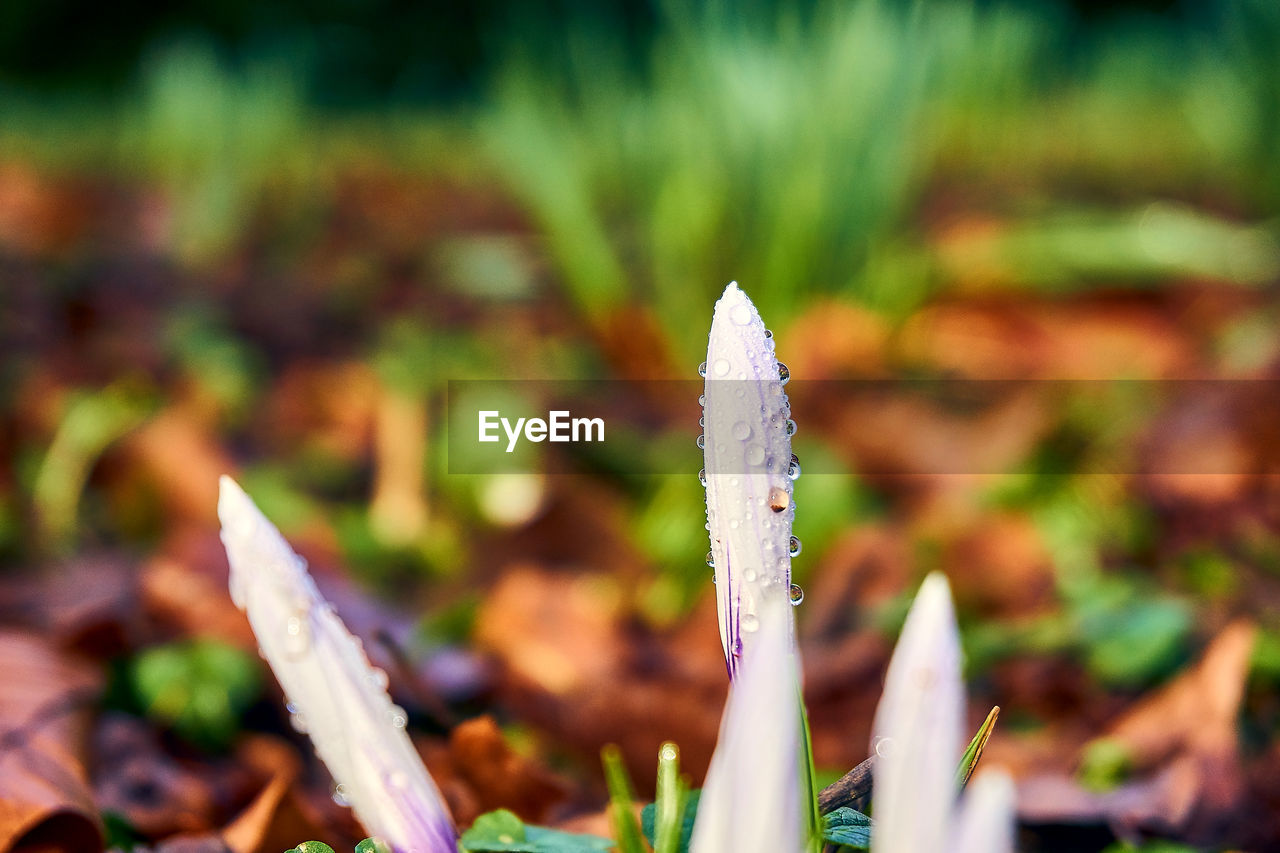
399 718
778 499
796 594
768 334
791 427
784 373
750 622
702 442
711 559
702 399
713 577
721 367
794 547
702 421
668 752
339 795
378 678
884 746
299 722
755 455
733 524
398 779
741 431
702 369
702 476
297 635
793 467
740 314
749 575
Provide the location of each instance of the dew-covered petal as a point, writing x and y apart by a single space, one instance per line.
916 735
747 455
328 682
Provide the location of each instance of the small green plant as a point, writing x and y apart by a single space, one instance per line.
199 687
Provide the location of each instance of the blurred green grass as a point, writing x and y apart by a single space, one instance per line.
793 146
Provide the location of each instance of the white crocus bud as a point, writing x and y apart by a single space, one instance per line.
748 472
334 693
751 799
986 820
916 735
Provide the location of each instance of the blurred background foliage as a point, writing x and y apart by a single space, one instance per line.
261 237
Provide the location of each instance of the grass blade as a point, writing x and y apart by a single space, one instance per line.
626 827
973 754
669 802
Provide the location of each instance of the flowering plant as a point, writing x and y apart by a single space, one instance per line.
759 792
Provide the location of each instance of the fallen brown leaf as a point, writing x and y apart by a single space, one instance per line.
1084 338
45 800
1182 742
495 776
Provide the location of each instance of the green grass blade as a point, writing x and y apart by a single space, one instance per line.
813 817
969 761
669 802
626 827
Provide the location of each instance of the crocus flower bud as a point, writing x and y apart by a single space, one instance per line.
749 472
916 735
751 799
333 692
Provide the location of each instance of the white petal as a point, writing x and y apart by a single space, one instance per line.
329 684
751 799
986 820
917 731
747 453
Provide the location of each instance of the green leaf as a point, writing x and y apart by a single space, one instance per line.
120 833
554 841
312 847
621 800
1135 641
372 845
498 830
847 827
648 819
1106 764
199 687
503 831
973 753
